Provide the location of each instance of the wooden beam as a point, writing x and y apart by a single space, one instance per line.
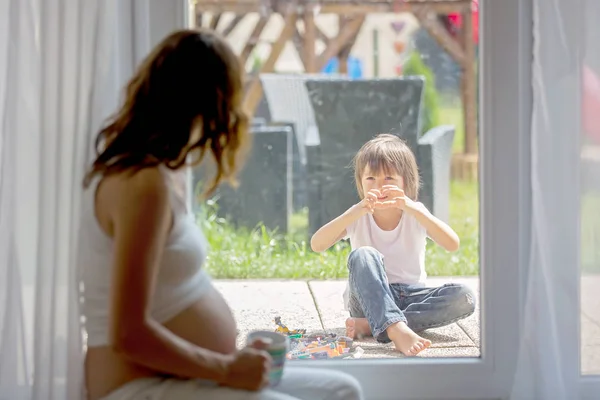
345 53
392 6
322 36
232 25
336 6
214 22
310 37
253 39
254 92
469 85
345 35
438 32
298 41
278 46
342 56
236 6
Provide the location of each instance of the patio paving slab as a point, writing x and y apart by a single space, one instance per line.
377 350
318 307
255 304
590 296
590 346
471 325
590 360
590 332
328 298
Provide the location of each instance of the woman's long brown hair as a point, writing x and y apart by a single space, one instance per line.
191 82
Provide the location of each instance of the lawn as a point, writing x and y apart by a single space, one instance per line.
590 233
452 114
255 254
243 253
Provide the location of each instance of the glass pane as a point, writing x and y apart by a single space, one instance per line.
590 197
306 130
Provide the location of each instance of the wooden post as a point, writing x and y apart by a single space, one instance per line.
465 164
310 37
343 54
469 85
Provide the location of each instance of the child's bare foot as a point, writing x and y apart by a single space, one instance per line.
351 328
357 328
405 340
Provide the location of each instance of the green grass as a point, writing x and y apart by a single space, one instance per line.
464 219
453 115
590 234
259 254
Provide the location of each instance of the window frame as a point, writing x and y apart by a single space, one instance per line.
505 191
505 114
505 34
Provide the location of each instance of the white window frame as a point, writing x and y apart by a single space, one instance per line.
505 190
505 113
590 384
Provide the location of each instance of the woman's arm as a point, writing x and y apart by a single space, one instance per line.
141 220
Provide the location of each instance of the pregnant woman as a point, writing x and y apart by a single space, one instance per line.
157 328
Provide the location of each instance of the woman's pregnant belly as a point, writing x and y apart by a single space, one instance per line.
208 323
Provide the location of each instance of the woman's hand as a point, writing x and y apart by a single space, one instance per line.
248 369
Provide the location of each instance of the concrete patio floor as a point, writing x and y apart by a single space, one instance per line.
317 307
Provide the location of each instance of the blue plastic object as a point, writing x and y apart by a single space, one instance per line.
355 68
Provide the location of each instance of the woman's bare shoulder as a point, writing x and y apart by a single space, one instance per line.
119 192
148 181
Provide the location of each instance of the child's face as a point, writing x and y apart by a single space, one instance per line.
377 179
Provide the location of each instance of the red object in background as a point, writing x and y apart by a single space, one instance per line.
456 20
590 105
399 46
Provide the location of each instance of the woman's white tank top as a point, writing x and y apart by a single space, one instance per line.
181 279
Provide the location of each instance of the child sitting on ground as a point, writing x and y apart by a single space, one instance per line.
387 296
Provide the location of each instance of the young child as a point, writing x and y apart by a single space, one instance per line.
387 296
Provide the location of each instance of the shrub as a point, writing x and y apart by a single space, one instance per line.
415 66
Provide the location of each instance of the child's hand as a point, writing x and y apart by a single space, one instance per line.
367 205
395 198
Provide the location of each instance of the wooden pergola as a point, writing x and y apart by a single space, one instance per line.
301 30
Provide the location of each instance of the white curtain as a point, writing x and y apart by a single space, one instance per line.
12 366
62 66
565 50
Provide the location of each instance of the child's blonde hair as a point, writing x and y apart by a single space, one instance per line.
390 154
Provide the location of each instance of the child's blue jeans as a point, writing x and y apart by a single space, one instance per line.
384 304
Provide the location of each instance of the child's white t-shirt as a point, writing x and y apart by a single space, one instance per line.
403 248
